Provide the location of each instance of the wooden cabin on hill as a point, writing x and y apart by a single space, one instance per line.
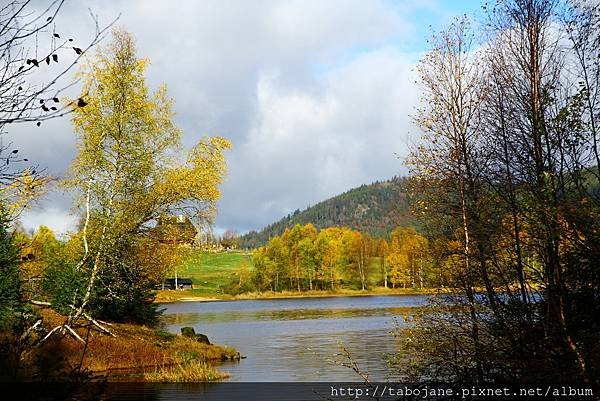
174 230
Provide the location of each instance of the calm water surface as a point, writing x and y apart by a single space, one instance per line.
300 339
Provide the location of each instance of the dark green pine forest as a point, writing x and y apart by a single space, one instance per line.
376 208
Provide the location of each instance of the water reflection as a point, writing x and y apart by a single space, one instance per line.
190 318
298 339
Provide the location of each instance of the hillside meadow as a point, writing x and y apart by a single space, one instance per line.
212 271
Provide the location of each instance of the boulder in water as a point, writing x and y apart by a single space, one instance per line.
191 333
201 338
188 332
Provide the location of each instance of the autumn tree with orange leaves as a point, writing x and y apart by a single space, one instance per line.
506 179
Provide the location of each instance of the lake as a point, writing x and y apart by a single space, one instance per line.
299 339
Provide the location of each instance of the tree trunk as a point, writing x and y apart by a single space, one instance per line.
385 276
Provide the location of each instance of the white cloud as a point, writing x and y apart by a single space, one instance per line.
312 94
59 220
308 144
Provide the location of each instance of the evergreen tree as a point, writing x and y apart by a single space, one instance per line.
10 281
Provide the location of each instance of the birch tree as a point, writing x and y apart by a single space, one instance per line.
447 163
129 171
35 60
506 177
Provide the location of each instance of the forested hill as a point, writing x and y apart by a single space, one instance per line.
376 209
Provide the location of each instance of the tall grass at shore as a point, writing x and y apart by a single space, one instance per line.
184 372
134 352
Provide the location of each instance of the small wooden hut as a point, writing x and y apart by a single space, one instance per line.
178 284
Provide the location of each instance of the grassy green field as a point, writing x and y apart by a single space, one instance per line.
211 271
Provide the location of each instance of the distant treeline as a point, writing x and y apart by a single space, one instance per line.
304 258
376 209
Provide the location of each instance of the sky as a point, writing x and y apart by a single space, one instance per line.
316 96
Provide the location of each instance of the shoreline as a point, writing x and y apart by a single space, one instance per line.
166 296
134 353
